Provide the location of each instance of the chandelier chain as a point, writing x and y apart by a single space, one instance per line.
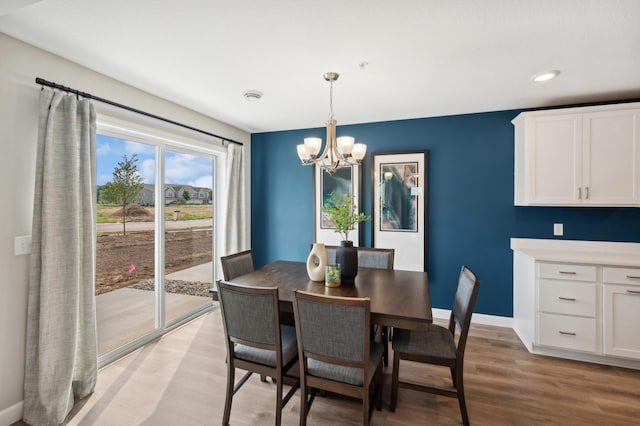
331 100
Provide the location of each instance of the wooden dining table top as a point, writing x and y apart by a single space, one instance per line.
398 298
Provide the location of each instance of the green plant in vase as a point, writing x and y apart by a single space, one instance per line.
343 213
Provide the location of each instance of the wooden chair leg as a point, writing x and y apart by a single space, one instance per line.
303 403
365 409
229 396
385 342
461 400
453 376
378 391
278 402
394 382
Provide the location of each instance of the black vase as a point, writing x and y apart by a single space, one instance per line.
347 258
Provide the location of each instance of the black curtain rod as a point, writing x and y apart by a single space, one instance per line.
128 108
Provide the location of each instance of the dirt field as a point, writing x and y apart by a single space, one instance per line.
125 260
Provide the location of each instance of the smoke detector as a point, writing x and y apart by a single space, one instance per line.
252 95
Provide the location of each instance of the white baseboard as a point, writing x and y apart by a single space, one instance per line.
477 318
12 414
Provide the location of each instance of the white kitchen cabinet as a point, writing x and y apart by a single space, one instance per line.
566 306
578 299
587 156
621 312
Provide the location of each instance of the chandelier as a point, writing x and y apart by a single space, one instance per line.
338 152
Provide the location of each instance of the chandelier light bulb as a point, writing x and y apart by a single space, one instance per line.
312 145
359 151
345 144
302 153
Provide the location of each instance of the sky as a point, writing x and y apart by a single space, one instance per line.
180 168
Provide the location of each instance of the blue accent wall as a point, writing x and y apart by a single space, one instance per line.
471 216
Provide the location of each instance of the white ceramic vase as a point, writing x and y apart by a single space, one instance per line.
316 262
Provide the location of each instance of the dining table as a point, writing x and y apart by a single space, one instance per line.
397 298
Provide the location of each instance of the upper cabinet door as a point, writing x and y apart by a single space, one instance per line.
584 156
611 174
554 159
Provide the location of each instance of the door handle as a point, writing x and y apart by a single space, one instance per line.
570 299
567 272
567 333
579 193
586 192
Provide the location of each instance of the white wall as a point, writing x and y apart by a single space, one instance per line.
20 64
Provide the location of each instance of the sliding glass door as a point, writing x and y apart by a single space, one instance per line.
155 222
188 255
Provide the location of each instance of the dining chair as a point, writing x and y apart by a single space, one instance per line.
378 258
331 253
236 264
437 345
335 350
256 342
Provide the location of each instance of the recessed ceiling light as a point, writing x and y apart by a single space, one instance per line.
252 95
545 76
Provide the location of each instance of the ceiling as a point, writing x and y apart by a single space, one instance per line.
424 57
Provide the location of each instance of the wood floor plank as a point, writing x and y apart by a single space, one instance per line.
180 380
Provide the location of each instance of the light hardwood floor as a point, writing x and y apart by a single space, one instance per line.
180 380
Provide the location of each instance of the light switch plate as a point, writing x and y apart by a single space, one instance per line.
558 230
22 245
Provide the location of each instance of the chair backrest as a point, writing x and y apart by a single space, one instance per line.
331 253
465 300
250 315
379 258
333 329
236 264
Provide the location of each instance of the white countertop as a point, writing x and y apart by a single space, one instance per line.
574 251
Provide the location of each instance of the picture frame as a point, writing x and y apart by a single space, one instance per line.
399 206
344 180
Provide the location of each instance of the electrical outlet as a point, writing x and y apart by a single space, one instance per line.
22 245
558 229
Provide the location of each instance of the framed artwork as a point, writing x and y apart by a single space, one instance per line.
345 180
399 183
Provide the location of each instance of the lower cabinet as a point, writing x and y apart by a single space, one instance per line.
566 306
621 312
578 299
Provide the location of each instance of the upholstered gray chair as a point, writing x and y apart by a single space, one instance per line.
335 350
256 342
379 258
331 253
236 264
436 345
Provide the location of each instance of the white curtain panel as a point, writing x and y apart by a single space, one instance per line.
236 218
61 360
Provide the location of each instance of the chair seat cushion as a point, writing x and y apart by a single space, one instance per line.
350 375
435 341
267 357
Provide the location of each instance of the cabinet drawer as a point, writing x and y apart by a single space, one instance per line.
567 332
562 271
566 297
629 276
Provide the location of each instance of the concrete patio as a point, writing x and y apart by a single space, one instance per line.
125 314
